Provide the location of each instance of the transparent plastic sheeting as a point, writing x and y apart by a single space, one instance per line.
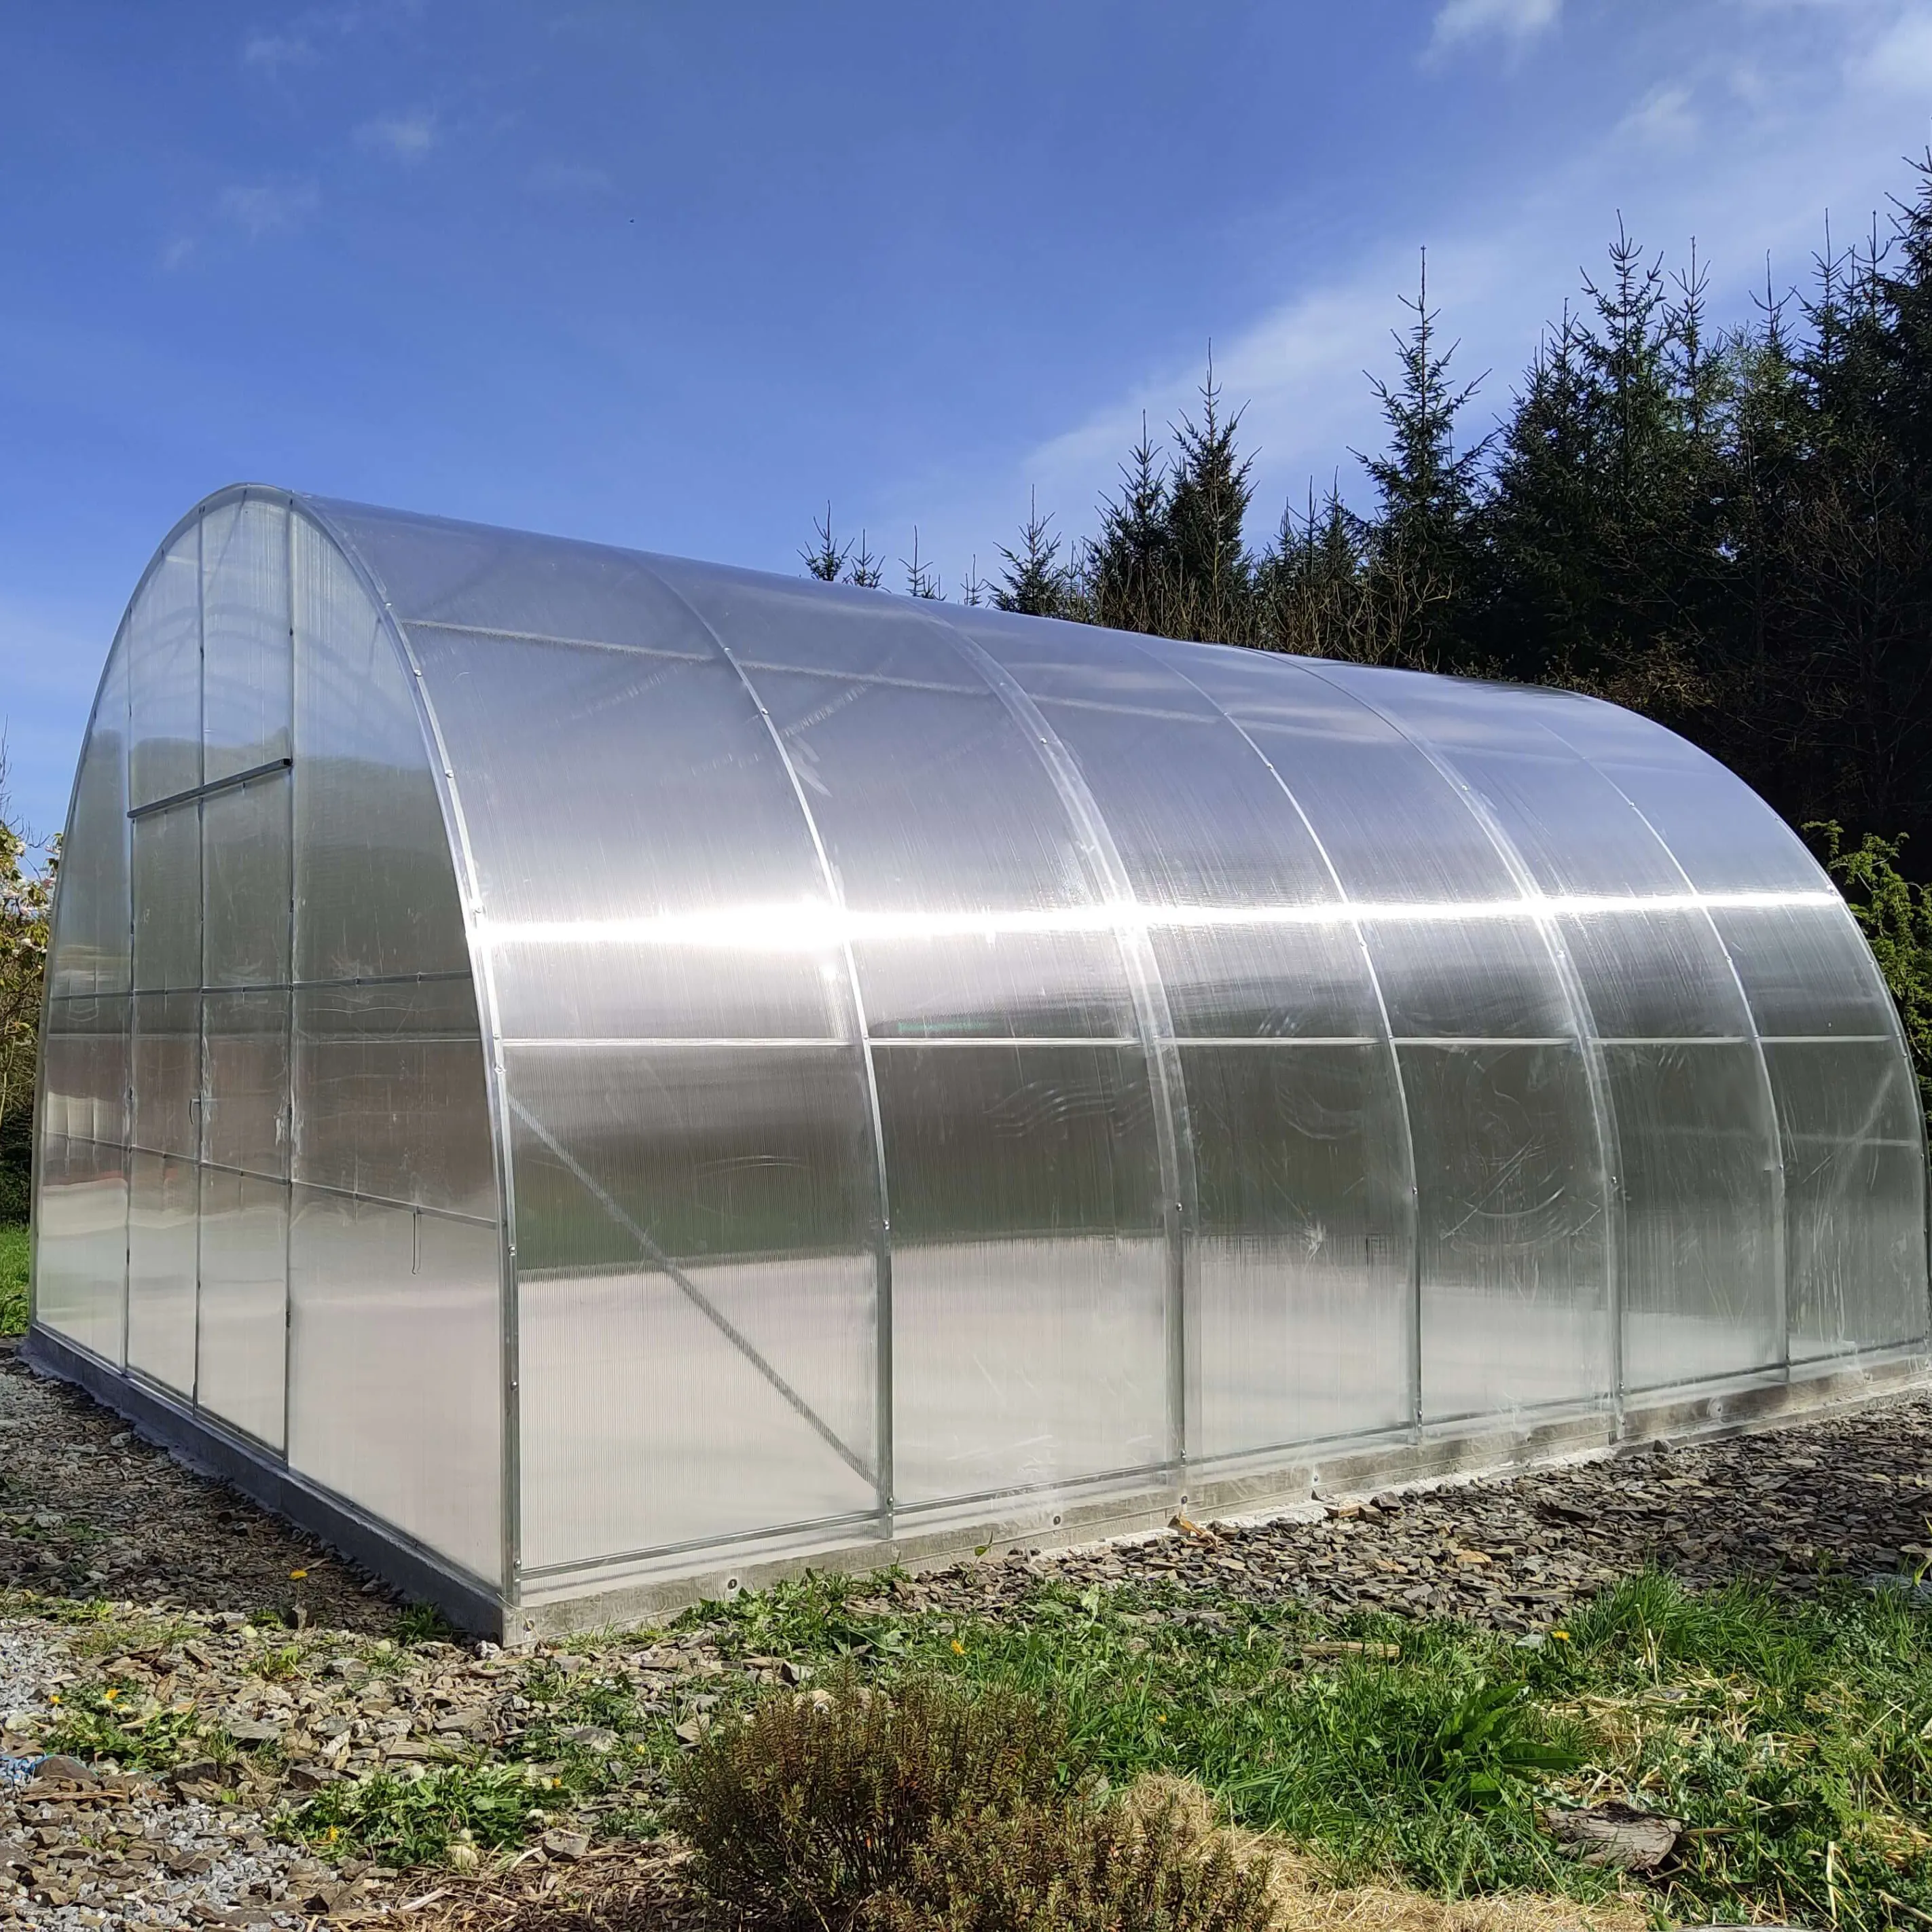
932 1054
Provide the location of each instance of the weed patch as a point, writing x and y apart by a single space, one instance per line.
404 1821
14 1251
139 1731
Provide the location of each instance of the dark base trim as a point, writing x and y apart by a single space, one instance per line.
211 1451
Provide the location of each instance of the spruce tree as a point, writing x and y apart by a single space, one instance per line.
1130 567
1034 581
826 559
1208 496
1419 557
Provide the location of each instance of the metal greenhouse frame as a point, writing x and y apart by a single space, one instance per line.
591 1079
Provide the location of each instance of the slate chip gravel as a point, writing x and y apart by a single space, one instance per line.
194 1616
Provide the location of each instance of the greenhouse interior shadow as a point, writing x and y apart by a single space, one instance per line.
594 1080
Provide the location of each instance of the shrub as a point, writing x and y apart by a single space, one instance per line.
816 1802
1159 1866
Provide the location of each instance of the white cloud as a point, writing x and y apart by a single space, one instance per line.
268 208
1664 118
1900 61
177 252
1517 20
408 137
569 177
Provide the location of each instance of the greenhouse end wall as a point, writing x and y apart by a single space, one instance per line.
595 1077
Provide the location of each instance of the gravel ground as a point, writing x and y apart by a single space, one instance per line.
304 1681
87 1509
1852 1494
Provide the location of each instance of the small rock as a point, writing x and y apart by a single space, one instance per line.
568 1846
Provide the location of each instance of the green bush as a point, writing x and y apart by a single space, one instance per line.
1895 916
818 1801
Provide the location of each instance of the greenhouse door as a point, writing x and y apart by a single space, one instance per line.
242 1328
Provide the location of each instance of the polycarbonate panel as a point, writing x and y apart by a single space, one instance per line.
1725 837
694 1241
246 883
90 952
1577 835
972 905
1303 1254
389 1094
1445 975
167 899
469 576
245 1082
245 634
1397 831
1512 1224
376 891
163 1230
785 624
243 1302
686 900
1655 975
163 641
1807 970
1854 1196
1698 1163
80 1243
166 1065
1246 923
395 1393
1028 1266
84 1058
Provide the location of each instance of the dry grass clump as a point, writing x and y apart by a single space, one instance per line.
816 1803
1151 1862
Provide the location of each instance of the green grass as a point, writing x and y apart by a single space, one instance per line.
13 1279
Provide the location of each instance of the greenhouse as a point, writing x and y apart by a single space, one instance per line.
593 1080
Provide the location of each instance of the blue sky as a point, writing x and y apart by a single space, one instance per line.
672 275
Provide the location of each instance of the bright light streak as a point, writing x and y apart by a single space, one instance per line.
815 925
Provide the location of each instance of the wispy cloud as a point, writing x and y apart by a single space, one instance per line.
1899 61
409 136
569 177
268 208
177 252
1664 118
1514 20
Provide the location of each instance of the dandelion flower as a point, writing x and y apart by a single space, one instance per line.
298 1576
958 1648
